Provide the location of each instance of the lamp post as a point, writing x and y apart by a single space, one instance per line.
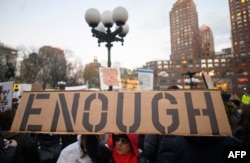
101 27
190 75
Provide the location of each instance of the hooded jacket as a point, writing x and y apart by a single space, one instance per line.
131 157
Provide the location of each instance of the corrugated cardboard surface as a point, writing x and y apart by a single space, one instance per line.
174 112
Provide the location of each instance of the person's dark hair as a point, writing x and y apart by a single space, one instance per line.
7 119
115 136
121 136
92 146
244 122
84 151
225 97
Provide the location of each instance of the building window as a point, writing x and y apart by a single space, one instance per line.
203 65
210 65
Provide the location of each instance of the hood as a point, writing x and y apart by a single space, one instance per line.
133 139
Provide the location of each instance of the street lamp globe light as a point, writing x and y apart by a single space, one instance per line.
92 17
125 29
120 16
102 24
107 20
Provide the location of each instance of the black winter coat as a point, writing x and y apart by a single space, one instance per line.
6 154
158 148
202 149
26 150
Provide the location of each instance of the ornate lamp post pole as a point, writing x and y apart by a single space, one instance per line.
190 75
101 27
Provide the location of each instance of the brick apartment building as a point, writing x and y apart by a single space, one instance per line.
192 50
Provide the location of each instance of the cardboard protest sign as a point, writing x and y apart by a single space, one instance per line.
109 77
191 112
6 93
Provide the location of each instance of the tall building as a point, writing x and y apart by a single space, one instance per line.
240 30
8 56
184 28
193 51
240 33
207 41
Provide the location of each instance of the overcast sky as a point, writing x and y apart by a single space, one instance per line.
61 23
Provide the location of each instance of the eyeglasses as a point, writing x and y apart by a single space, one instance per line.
122 140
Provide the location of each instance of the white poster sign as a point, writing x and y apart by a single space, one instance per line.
145 79
74 88
6 95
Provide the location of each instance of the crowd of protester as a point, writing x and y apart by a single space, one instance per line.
124 148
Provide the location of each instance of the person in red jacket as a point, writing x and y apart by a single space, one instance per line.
119 148
124 148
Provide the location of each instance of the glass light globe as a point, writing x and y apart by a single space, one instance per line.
120 16
125 29
107 20
92 17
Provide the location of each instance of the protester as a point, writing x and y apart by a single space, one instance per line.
242 127
182 149
26 151
124 148
49 147
7 149
68 139
141 147
14 103
85 150
205 149
238 105
158 148
230 107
